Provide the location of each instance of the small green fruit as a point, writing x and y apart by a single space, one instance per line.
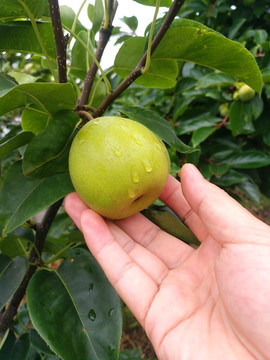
118 166
224 109
246 93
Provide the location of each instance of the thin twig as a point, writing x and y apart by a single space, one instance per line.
60 41
104 36
172 13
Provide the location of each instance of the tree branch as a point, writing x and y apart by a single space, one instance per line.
60 41
173 11
34 261
104 36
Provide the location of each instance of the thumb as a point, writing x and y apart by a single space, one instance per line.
224 218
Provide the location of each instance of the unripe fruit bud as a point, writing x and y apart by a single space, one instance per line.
246 93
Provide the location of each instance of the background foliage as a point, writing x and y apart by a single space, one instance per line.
189 97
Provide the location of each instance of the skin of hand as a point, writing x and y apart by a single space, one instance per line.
209 303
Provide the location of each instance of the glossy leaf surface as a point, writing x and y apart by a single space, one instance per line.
75 309
19 203
11 274
162 128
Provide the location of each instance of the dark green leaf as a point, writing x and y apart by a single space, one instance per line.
170 223
79 296
236 27
251 190
232 177
20 36
204 120
250 159
15 348
13 245
47 98
241 118
14 143
260 36
215 79
181 106
202 134
46 147
162 128
21 198
11 275
39 343
266 75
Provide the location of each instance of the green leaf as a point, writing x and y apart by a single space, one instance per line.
21 198
15 348
232 177
251 190
79 296
191 41
170 223
240 118
266 75
13 245
47 98
260 36
249 159
14 142
11 275
39 343
13 9
80 58
162 128
161 74
202 134
204 120
131 22
97 16
44 149
20 36
68 16
166 3
33 120
216 79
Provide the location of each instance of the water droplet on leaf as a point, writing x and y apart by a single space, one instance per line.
91 287
92 315
111 311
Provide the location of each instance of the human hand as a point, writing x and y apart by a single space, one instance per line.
210 303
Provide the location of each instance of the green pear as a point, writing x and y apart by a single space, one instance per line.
118 166
246 93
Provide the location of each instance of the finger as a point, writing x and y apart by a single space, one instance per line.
223 217
135 287
172 196
74 206
148 261
169 249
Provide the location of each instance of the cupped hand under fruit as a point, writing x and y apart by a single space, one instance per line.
118 166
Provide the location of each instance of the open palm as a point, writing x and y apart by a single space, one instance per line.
207 303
